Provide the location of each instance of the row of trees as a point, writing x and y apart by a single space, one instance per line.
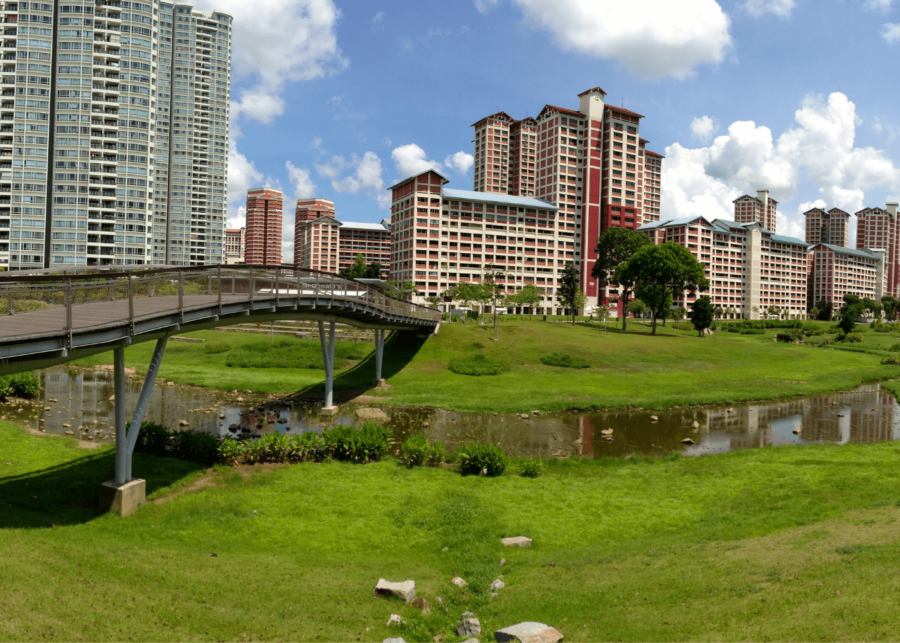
863 306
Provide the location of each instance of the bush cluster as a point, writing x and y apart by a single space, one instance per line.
24 385
748 331
564 360
762 323
193 446
850 338
475 459
531 468
478 365
891 360
368 442
417 451
791 336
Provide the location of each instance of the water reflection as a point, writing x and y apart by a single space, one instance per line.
79 402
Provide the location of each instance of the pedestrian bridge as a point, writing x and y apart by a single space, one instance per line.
50 317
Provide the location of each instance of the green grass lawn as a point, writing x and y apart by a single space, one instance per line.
788 543
627 369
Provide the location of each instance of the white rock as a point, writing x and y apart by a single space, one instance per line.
405 591
502 562
395 620
497 584
468 625
471 641
517 541
459 582
397 639
528 632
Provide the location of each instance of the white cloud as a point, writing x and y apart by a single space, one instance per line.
276 42
461 162
780 8
651 38
411 159
237 217
378 21
484 6
891 32
304 188
878 5
242 175
365 175
819 149
703 128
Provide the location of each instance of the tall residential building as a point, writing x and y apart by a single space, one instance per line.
235 239
832 227
312 209
263 239
749 268
761 208
441 237
837 271
85 147
879 229
330 245
591 164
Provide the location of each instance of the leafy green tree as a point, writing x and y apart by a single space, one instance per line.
494 292
669 267
826 310
657 300
580 302
638 307
891 305
401 290
702 314
465 292
530 296
374 270
614 248
853 307
814 312
568 289
357 270
434 300
873 307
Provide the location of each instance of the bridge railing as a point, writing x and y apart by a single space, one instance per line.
43 303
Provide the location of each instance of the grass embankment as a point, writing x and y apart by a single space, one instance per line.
626 369
789 543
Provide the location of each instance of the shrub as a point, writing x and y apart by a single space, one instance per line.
366 443
826 342
474 459
749 331
882 328
417 451
891 360
850 338
790 336
24 385
531 468
682 326
762 323
565 360
478 365
153 438
193 446
895 347
231 451
813 332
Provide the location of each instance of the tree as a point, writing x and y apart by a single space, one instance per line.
814 312
464 292
702 314
718 311
580 303
494 292
357 270
614 248
638 307
603 315
657 299
401 290
434 300
891 305
826 310
873 307
853 307
668 267
530 296
374 270
568 289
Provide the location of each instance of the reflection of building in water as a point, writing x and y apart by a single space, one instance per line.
586 435
875 423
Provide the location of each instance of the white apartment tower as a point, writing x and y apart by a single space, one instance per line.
90 130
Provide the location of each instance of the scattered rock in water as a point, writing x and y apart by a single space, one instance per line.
696 424
517 541
66 426
240 399
459 582
796 431
170 383
688 441
524 416
395 620
70 433
183 423
468 625
497 585
528 632
372 414
422 605
535 412
46 408
405 591
840 415
653 418
606 432
221 416
729 411
112 398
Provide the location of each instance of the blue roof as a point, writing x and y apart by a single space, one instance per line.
851 251
500 199
793 240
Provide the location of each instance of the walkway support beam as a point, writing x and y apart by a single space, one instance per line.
121 438
143 401
379 353
328 358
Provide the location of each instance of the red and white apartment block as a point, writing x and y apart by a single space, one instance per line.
263 237
321 242
879 228
838 270
760 208
442 236
234 245
831 227
590 163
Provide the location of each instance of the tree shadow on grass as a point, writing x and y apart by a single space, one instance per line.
399 350
68 494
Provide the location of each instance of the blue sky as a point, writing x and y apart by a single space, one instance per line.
338 99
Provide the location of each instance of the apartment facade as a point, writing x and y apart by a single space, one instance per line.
441 237
590 163
235 239
748 267
264 219
312 209
79 146
831 227
838 270
331 246
879 228
761 209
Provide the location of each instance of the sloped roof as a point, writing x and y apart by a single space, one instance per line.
415 176
499 199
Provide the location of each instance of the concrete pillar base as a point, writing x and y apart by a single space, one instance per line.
122 500
382 383
328 411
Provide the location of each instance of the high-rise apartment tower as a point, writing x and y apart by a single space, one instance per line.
91 131
832 227
761 209
262 246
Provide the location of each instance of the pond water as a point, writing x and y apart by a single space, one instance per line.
81 399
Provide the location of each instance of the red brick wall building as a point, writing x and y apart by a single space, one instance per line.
879 228
760 208
312 209
831 227
330 245
263 237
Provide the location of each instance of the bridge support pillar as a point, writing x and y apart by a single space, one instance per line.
379 357
328 357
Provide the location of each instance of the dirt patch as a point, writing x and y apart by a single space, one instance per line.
370 399
201 483
84 444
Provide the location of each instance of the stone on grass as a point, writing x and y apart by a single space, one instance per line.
395 620
374 415
468 625
393 639
459 582
517 541
528 632
497 584
422 605
535 412
502 562
473 640
405 591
